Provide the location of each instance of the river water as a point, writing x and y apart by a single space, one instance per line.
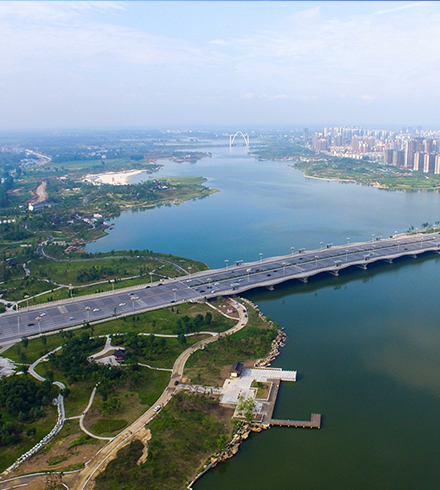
365 344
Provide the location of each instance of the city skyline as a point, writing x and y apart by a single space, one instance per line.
104 64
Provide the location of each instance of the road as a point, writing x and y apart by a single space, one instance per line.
232 279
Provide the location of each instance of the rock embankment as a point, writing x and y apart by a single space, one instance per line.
277 343
234 445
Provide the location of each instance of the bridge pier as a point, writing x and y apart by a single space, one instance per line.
303 279
363 266
334 273
270 288
414 256
390 261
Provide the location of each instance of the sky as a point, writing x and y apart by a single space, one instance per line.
185 64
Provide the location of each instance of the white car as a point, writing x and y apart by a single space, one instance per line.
158 408
43 314
95 309
121 304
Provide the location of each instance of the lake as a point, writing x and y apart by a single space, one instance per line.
365 344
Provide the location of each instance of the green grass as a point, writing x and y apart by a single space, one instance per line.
150 385
108 427
262 389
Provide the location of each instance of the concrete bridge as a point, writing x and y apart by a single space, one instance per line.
232 279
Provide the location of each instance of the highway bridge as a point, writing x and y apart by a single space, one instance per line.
232 279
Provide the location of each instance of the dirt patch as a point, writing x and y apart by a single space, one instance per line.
39 194
144 435
57 450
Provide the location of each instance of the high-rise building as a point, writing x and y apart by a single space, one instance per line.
305 134
410 149
437 164
388 157
427 146
399 158
419 160
429 163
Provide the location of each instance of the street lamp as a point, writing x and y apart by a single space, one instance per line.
113 285
26 297
346 255
284 268
88 312
372 237
348 241
322 244
189 269
316 260
132 303
261 256
248 272
151 277
174 291
226 263
209 283
39 324
292 248
18 324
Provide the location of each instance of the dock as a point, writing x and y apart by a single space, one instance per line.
313 423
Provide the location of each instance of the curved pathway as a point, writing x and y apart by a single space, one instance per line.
81 419
121 439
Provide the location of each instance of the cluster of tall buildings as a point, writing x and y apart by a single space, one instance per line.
408 149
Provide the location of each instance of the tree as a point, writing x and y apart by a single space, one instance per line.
247 406
25 342
181 338
43 339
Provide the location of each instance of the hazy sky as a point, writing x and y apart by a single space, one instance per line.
182 64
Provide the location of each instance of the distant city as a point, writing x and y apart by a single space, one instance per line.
409 149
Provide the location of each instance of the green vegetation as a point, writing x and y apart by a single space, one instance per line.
108 427
369 173
173 454
82 440
22 403
104 271
252 342
247 407
262 388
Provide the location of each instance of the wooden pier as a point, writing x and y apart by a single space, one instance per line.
313 423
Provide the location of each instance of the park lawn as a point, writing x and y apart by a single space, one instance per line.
139 393
174 455
34 350
77 273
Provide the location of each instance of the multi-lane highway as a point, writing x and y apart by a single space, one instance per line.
232 279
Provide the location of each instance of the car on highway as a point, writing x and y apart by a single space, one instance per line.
157 408
43 314
31 324
121 304
71 318
95 309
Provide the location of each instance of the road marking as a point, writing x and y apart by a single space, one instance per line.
62 309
